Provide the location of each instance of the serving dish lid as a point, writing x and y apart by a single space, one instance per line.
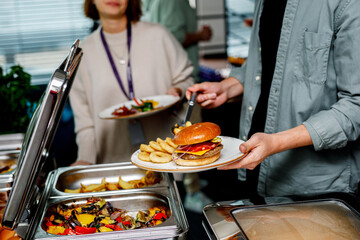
38 138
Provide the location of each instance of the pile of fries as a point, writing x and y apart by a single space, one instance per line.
149 179
178 128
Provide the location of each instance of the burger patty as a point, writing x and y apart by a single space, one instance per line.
188 156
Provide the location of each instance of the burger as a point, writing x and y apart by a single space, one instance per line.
198 144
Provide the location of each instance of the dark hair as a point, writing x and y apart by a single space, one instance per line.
133 11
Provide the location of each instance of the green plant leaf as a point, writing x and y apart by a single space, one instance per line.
15 104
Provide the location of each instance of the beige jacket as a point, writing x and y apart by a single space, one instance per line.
158 63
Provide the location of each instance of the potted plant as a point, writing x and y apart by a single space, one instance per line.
16 106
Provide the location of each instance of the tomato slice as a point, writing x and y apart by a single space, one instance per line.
198 147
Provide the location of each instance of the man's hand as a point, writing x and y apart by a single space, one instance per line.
258 147
212 95
262 145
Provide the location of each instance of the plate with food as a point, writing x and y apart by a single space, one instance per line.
139 107
196 148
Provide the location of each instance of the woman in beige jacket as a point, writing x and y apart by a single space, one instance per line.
158 65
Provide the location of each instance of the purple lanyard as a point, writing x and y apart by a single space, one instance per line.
131 94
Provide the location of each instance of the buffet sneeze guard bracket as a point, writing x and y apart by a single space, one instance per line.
39 136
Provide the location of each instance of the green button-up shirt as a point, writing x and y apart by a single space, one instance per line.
316 83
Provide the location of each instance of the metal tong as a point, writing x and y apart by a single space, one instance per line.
191 104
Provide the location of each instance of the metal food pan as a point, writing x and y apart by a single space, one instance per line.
10 160
6 181
4 195
315 219
132 201
71 177
5 188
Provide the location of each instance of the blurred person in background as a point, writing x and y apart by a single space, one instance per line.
180 19
301 99
124 58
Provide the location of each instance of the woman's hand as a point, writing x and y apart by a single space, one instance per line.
211 95
174 91
262 145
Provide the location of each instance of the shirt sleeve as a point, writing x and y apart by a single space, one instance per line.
239 73
334 128
84 125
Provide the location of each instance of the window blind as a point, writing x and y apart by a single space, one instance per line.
38 34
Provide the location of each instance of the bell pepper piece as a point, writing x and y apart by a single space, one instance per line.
48 223
105 229
137 102
118 228
112 226
84 230
159 216
126 223
56 230
68 231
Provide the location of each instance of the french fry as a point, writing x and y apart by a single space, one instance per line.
149 179
137 183
92 187
78 190
125 185
111 186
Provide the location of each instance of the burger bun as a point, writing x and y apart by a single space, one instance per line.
197 133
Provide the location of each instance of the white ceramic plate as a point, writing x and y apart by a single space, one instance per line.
165 101
229 154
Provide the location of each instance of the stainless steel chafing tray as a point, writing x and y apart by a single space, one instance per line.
10 145
11 142
161 194
317 219
24 194
72 177
29 201
217 221
132 200
8 163
243 220
5 187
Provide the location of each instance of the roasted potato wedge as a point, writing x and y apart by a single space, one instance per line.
111 186
78 190
93 187
125 185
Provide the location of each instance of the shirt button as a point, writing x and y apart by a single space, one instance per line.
257 78
250 108
259 49
244 138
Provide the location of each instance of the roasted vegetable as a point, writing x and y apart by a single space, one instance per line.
97 215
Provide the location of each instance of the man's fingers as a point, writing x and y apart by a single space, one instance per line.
207 103
243 148
247 162
206 96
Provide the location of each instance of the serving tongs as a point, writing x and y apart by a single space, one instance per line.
191 104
